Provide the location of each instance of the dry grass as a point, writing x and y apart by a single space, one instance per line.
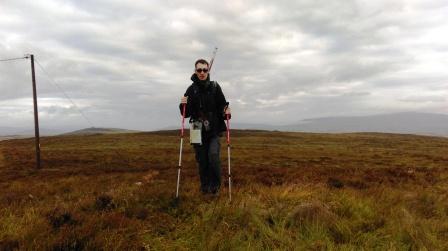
291 191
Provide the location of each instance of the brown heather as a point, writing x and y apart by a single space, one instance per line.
292 191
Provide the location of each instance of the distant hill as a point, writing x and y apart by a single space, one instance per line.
7 131
248 126
13 137
29 132
403 123
241 126
407 122
95 130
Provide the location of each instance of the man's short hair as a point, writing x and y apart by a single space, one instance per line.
201 61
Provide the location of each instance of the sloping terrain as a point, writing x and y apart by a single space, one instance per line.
290 191
96 130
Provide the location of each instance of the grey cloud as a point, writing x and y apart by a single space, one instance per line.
126 64
58 111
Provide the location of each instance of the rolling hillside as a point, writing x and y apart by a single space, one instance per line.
405 122
99 130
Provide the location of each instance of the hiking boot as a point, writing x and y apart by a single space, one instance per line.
204 190
214 191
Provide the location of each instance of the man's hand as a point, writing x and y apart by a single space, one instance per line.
227 110
184 100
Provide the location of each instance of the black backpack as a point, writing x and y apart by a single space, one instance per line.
213 89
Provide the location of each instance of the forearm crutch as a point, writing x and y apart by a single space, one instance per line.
228 156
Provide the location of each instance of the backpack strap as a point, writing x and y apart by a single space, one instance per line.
214 86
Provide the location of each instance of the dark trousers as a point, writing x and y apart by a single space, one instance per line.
209 164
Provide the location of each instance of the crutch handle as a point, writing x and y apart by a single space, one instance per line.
183 119
228 129
228 124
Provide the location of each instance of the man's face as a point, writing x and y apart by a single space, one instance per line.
202 71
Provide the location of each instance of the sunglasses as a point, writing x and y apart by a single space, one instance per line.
201 70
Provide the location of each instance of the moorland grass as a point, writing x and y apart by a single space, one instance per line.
292 191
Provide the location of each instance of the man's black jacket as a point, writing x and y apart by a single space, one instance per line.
206 102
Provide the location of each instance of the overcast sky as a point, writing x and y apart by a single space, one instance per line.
127 63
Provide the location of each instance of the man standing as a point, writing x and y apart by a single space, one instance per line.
207 107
